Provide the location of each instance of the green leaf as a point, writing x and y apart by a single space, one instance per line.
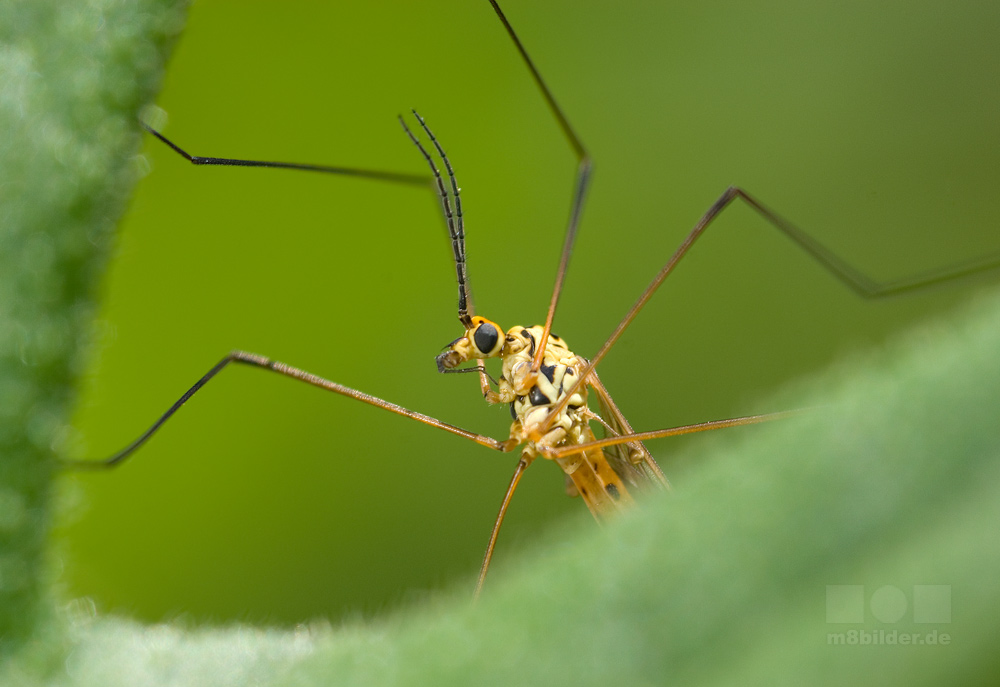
72 79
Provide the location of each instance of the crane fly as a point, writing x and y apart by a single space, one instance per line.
549 389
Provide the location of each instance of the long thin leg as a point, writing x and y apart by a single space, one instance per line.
584 168
454 222
395 177
260 361
522 465
670 432
852 277
848 275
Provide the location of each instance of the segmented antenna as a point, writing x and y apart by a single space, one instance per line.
455 222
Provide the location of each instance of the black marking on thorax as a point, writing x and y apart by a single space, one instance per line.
531 338
550 373
537 398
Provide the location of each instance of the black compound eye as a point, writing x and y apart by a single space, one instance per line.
486 337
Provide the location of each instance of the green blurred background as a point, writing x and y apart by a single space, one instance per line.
871 125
